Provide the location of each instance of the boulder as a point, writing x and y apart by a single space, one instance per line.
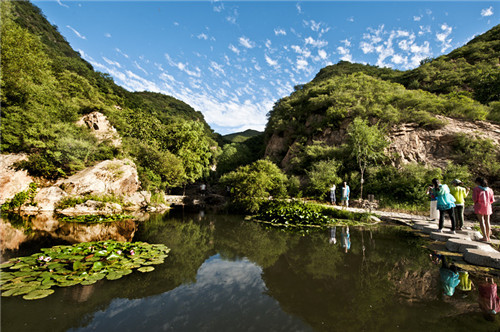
118 177
48 197
11 180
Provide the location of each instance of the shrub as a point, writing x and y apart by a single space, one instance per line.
252 184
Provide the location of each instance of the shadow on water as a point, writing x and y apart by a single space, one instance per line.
227 274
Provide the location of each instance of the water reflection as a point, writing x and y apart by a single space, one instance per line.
226 274
17 230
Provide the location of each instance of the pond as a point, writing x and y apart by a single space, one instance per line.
227 274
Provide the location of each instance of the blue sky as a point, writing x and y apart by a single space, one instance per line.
233 60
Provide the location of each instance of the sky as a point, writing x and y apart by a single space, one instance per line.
232 60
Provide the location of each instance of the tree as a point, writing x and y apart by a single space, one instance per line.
322 175
253 184
366 144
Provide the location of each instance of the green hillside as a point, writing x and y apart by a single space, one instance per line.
241 136
346 102
46 86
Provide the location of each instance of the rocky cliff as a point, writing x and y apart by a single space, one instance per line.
409 142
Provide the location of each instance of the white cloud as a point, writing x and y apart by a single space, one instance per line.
302 64
218 6
487 11
217 69
183 67
79 35
417 18
176 24
203 36
120 52
234 49
424 30
315 42
350 19
245 42
398 59
107 35
345 52
299 9
268 44
111 62
140 68
384 43
319 27
302 51
322 54
442 37
232 18
279 32
61 4
346 42
271 62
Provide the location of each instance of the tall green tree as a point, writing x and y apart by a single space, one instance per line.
366 144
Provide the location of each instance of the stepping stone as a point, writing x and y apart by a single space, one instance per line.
445 236
429 229
483 258
460 245
420 225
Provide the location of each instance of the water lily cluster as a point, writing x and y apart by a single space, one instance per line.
85 263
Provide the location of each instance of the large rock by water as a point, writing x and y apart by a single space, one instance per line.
11 180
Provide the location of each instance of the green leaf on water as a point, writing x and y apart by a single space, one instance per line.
38 294
146 269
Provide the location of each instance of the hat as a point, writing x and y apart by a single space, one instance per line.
456 181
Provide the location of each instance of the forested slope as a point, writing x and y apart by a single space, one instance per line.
313 131
46 87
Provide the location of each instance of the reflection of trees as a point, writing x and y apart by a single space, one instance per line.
332 290
247 239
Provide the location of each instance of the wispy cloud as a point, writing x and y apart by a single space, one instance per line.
183 67
397 46
107 35
315 42
120 52
79 35
234 49
279 32
345 53
442 37
417 18
299 8
203 36
245 42
61 4
111 62
487 11
271 62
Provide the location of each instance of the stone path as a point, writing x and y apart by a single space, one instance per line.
465 242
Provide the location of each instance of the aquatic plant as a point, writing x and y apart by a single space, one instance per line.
84 263
94 218
297 214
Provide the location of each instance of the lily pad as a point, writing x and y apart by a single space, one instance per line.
84 263
6 264
38 294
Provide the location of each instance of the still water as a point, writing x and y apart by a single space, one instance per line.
227 274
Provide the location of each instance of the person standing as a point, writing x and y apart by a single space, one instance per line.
434 215
483 197
445 203
333 199
344 200
460 193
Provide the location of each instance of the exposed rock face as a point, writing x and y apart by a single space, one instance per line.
12 181
434 147
118 177
409 142
101 127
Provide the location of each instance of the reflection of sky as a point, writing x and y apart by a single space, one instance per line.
227 296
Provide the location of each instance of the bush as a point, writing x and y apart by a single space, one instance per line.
251 185
21 198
